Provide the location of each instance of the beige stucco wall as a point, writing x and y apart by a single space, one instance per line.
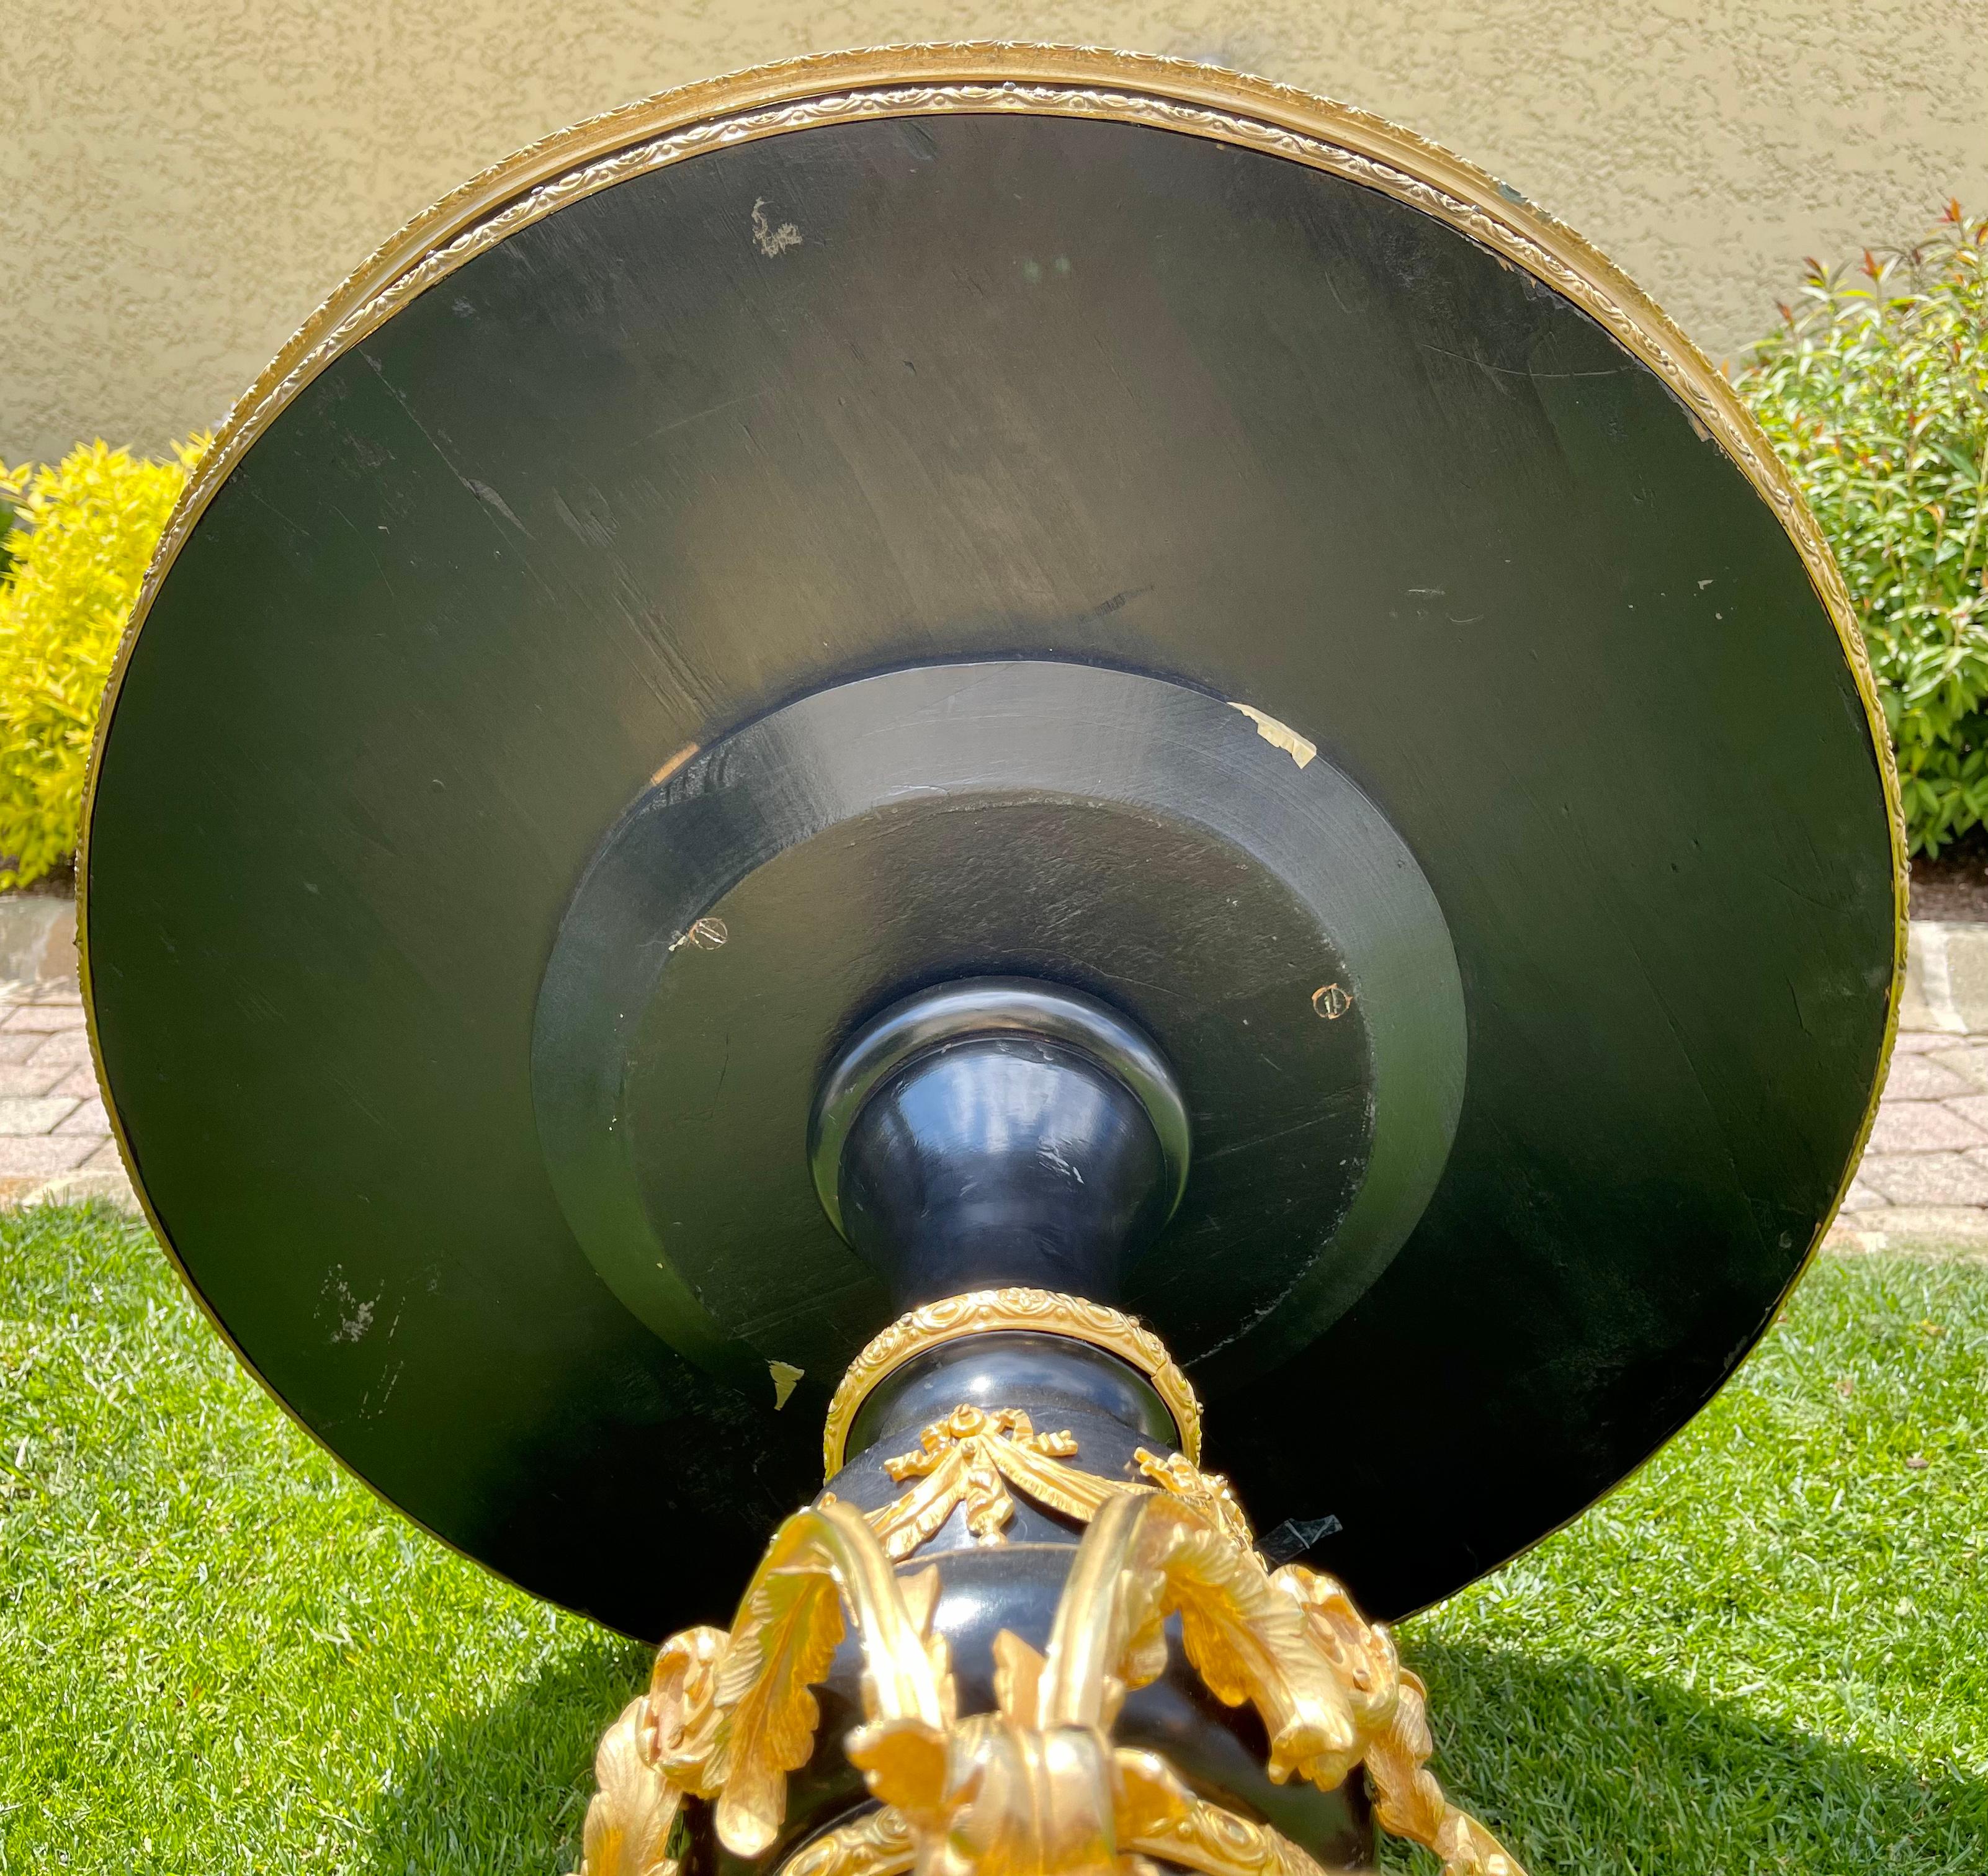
179 184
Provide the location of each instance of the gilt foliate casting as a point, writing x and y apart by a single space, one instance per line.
727 1715
1037 1787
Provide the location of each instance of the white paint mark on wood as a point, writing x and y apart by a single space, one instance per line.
772 242
1279 736
354 1314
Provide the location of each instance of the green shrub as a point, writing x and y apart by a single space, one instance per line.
87 527
1875 392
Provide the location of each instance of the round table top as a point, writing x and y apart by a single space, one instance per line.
898 359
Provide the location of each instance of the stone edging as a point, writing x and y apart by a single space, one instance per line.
1946 979
37 938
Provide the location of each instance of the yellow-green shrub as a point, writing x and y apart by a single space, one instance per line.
87 527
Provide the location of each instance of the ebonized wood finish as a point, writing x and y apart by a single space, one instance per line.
1090 829
1070 390
1000 1160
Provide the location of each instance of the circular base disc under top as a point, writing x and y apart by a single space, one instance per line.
737 399
1134 839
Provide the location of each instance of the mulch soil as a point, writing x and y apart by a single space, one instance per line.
1954 888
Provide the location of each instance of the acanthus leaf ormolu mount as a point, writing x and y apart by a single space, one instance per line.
964 742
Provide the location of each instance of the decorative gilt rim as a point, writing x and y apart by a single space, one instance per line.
907 81
1039 1312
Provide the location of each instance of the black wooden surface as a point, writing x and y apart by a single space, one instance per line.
1088 828
1063 389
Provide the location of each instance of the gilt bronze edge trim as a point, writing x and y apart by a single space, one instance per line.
1036 1312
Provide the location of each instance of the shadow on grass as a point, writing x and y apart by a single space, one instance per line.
1582 1768
1579 1767
505 1788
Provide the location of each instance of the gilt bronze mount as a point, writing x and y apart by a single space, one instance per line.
1039 1783
1015 1311
906 760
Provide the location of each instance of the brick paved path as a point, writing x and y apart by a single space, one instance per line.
1924 1179
55 1137
1925 1175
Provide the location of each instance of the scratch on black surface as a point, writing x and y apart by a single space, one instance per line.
1794 997
390 1376
370 544
1807 898
485 494
710 410
1279 1133
1518 371
1255 1316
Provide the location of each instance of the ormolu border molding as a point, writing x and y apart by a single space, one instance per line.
1038 1312
1171 94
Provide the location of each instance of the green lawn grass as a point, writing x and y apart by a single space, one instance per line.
1769 1652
